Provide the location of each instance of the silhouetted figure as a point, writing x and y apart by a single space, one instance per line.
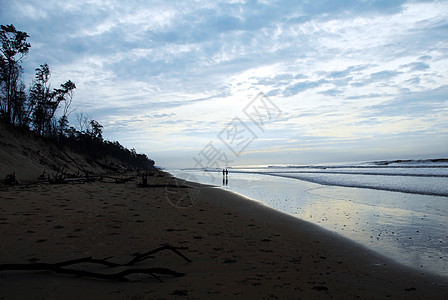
227 173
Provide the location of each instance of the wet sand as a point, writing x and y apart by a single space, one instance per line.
238 248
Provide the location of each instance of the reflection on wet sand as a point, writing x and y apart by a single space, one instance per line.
408 235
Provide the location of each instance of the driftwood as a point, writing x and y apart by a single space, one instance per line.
62 177
145 176
119 276
141 257
58 178
82 179
123 180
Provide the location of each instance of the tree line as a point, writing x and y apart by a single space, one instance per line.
45 110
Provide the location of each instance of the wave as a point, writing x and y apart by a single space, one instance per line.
434 184
412 161
358 173
405 186
405 163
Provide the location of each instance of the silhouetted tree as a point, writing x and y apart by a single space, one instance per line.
95 130
64 94
45 101
39 97
13 49
82 121
63 120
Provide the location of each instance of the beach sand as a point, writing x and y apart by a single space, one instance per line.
239 248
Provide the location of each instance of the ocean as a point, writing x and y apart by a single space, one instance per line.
397 208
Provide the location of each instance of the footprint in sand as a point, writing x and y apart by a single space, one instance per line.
180 293
320 288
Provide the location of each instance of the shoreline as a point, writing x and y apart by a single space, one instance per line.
239 248
403 227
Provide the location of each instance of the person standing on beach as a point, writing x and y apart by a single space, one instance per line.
225 178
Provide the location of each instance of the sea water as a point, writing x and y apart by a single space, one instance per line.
397 208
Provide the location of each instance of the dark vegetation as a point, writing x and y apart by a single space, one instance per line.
44 111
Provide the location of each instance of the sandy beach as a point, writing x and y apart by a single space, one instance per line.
238 248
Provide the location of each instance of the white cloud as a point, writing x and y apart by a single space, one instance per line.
175 73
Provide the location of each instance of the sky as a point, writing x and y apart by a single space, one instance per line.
231 83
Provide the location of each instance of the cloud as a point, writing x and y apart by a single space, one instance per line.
426 103
165 71
302 86
383 75
346 72
416 66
